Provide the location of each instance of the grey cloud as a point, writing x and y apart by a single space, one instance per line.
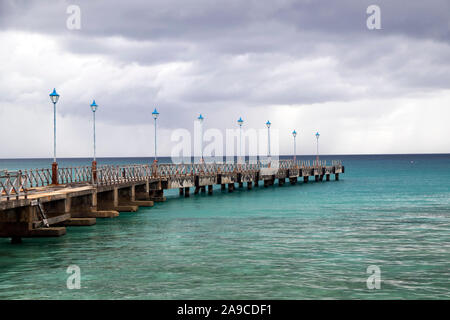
243 52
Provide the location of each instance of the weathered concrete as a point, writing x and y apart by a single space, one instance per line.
48 232
79 222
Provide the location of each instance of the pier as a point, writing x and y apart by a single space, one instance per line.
33 205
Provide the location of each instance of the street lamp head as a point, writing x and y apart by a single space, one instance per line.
268 124
317 135
155 114
294 133
200 118
240 122
94 106
54 96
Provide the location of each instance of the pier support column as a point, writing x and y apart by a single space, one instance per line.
116 197
222 187
305 179
241 184
316 178
321 177
186 192
266 183
133 193
203 189
256 183
249 185
230 187
94 200
327 177
196 190
181 191
157 195
210 189
292 181
336 176
281 181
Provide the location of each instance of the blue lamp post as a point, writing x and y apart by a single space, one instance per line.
155 115
294 134
94 107
268 124
200 119
240 123
54 97
317 157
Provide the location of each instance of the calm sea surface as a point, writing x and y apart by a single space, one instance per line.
297 242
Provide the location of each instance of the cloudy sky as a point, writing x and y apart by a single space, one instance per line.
309 65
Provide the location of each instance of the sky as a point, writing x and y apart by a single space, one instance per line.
304 65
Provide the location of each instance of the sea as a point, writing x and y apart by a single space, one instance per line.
381 232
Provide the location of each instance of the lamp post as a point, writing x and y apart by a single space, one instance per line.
200 119
317 157
94 107
294 134
54 97
240 123
268 140
155 115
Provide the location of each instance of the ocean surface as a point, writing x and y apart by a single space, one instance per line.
307 241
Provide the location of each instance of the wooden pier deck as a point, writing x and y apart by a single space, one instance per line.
30 206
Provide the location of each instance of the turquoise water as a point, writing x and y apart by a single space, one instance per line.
312 241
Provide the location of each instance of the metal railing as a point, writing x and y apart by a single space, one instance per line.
12 185
75 174
38 177
16 183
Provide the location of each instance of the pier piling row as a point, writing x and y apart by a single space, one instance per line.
31 206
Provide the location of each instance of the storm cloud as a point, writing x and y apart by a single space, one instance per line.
306 65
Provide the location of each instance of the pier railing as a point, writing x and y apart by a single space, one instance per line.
69 175
16 183
12 185
38 177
